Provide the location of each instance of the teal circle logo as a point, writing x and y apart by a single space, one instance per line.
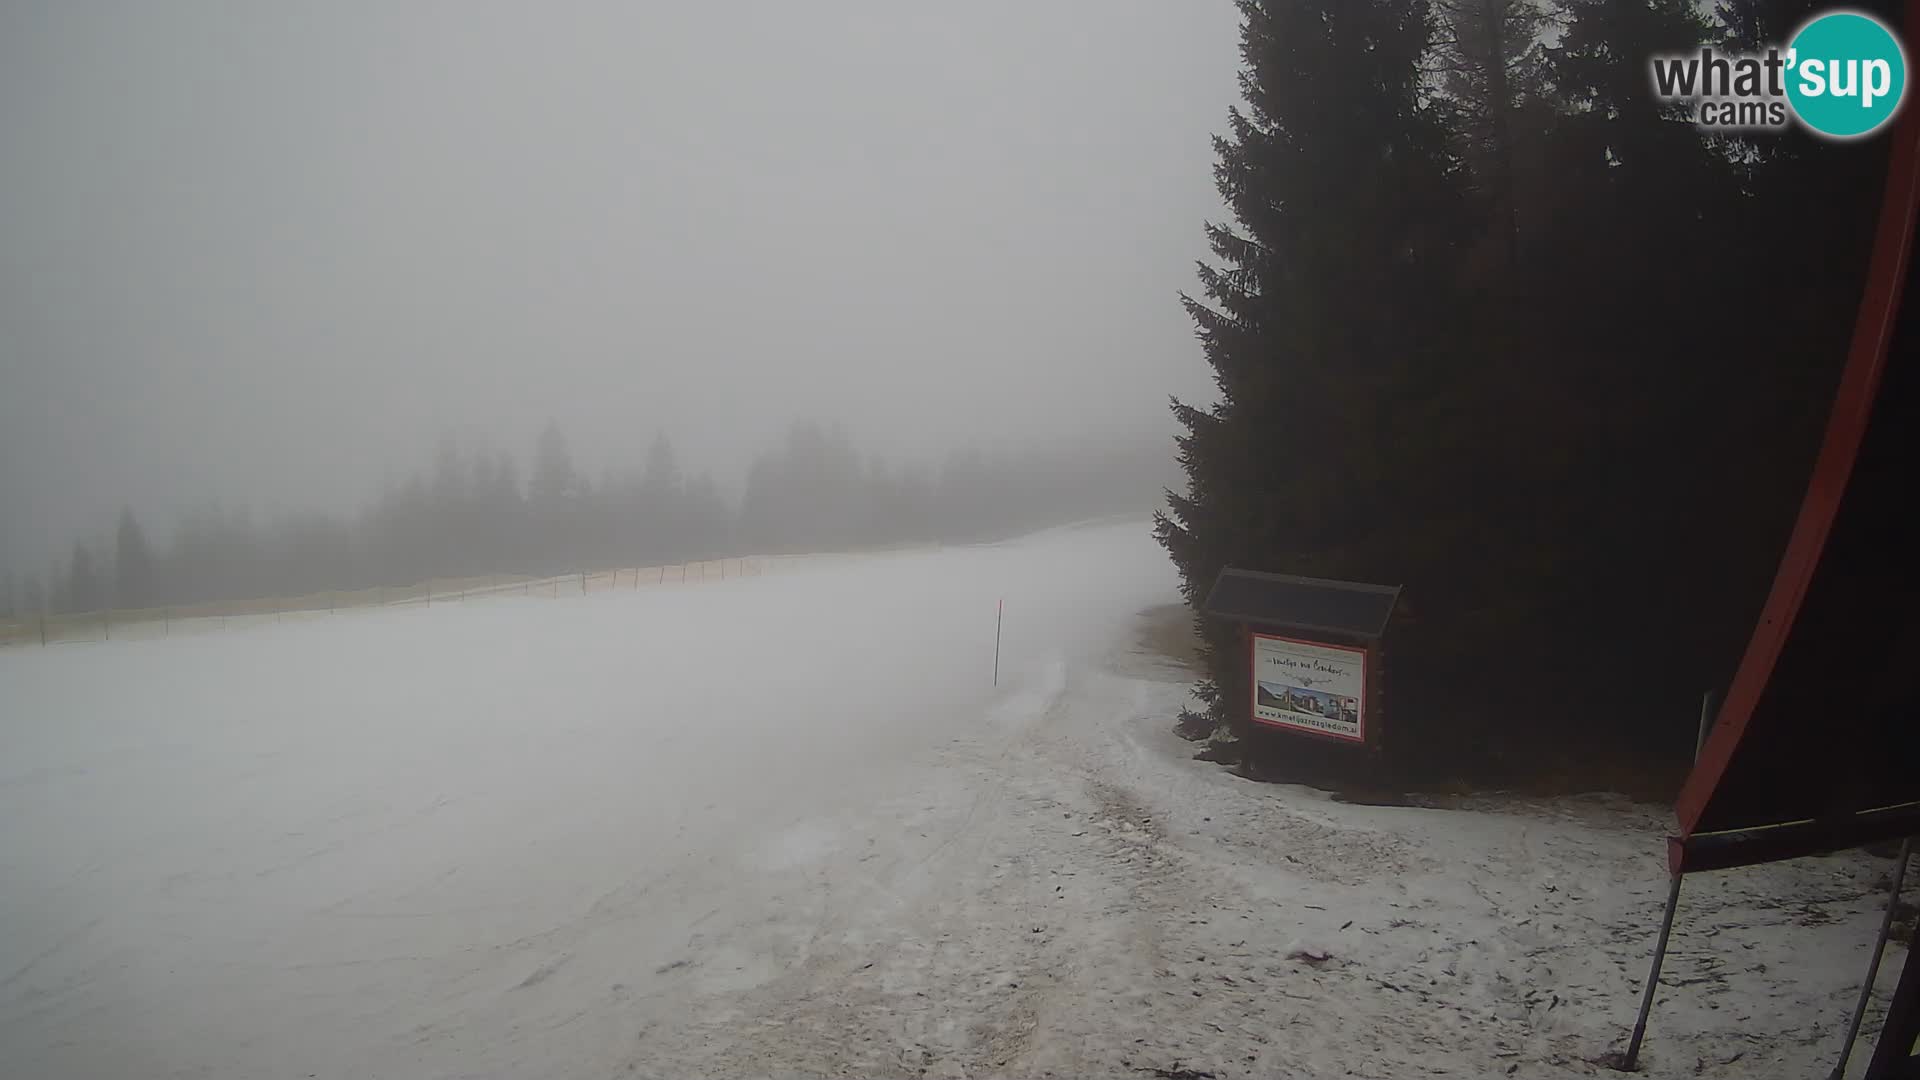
1846 74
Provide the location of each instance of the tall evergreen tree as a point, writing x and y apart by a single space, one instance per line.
556 503
553 473
83 592
707 523
659 503
1323 319
1661 406
1489 59
133 580
1608 441
661 473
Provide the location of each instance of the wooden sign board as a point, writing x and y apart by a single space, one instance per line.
1313 649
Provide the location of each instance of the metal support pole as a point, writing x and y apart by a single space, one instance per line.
1900 1030
1629 1062
1873 965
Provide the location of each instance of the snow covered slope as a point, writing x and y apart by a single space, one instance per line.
785 825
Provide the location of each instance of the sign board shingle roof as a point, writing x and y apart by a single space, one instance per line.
1342 607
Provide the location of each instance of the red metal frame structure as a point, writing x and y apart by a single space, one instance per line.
1705 804
1817 745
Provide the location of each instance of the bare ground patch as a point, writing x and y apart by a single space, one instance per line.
1164 635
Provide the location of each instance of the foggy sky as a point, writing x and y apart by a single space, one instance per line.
268 253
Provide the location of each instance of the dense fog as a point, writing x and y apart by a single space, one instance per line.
258 265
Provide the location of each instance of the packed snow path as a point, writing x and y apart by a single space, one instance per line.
785 826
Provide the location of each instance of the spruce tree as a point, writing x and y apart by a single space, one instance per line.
83 582
553 473
660 475
132 564
554 499
661 507
1323 317
1488 59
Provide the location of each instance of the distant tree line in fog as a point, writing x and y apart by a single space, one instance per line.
472 514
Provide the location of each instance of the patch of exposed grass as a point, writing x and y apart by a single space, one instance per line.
1167 632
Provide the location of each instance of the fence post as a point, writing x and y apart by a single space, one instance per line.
43 628
583 583
166 622
106 616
